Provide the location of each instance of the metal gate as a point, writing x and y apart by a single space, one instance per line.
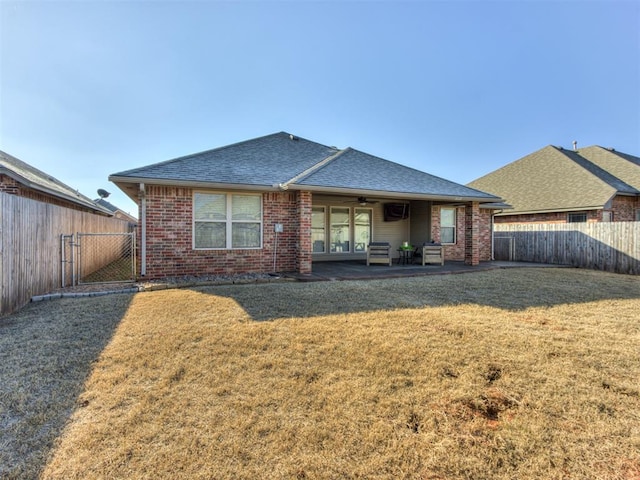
97 258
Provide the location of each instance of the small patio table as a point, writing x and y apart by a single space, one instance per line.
405 257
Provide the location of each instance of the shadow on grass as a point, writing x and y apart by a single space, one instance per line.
46 353
508 289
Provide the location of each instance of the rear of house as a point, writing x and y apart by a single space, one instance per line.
280 202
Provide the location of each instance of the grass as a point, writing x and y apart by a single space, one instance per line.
525 373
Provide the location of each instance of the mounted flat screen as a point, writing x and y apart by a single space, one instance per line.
395 211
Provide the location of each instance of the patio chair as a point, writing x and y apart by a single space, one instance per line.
430 252
379 252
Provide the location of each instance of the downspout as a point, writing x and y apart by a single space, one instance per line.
493 257
143 231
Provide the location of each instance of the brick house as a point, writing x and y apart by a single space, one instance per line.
21 179
280 203
556 185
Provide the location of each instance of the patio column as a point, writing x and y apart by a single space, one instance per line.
472 234
303 260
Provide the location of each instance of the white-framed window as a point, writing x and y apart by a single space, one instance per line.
319 229
362 229
340 229
227 220
448 225
578 217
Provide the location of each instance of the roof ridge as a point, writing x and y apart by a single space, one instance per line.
600 173
312 169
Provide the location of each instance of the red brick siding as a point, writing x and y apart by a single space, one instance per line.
304 200
457 252
623 209
169 237
472 234
549 217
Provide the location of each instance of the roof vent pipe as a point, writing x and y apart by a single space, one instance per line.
575 146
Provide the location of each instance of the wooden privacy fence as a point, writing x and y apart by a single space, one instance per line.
30 253
611 246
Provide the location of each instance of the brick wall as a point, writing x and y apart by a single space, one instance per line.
304 200
457 252
623 209
170 242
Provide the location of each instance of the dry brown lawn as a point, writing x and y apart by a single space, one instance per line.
508 374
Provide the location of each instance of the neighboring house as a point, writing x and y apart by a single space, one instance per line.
21 179
280 202
117 212
556 185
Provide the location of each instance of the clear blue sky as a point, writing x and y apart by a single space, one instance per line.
456 89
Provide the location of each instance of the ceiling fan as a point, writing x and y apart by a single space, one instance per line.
362 201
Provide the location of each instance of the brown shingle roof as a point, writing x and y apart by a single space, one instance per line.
554 179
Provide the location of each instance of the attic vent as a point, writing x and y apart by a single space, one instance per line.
611 149
575 145
292 137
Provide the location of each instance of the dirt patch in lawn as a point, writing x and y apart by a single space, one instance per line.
405 378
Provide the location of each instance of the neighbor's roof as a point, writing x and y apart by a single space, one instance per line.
284 161
38 180
554 179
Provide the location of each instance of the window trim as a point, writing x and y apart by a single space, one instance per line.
229 222
324 240
349 231
454 226
355 241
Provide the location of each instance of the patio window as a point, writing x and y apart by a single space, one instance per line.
318 229
362 229
447 225
227 221
340 229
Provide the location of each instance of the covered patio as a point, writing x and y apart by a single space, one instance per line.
358 270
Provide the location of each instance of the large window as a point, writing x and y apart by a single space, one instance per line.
225 220
340 229
447 225
318 229
362 229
